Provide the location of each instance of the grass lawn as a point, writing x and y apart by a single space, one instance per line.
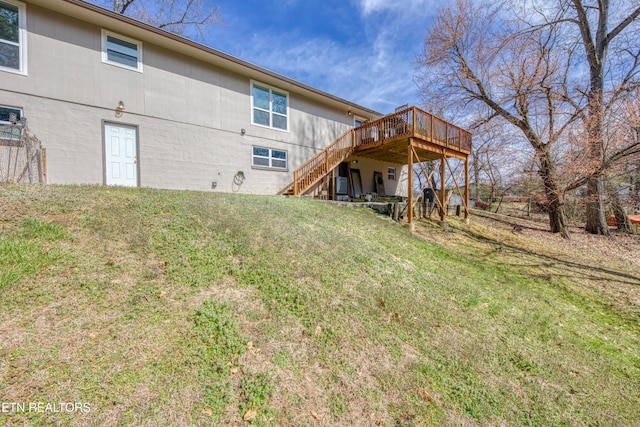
147 307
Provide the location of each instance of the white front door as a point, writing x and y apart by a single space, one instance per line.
121 155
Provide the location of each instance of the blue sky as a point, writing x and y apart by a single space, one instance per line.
360 50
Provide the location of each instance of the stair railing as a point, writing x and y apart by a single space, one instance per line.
316 168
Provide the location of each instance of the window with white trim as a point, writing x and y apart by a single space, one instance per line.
391 174
269 158
13 37
121 51
269 107
10 116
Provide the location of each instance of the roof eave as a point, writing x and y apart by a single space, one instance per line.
92 13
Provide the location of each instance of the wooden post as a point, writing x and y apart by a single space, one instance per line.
326 161
296 186
433 138
442 185
466 188
414 112
44 165
333 184
410 189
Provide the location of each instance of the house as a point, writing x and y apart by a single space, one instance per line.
119 102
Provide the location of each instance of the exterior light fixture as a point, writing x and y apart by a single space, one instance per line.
243 131
349 113
120 109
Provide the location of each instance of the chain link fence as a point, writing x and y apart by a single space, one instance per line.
22 158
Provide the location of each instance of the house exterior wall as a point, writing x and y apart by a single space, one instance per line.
189 113
367 169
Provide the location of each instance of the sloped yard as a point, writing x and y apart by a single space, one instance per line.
151 307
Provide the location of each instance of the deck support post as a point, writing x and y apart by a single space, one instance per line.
466 189
410 184
332 185
443 182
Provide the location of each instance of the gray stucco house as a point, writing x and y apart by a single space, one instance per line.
119 102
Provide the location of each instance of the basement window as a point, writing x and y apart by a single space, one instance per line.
391 174
9 116
13 37
121 51
268 158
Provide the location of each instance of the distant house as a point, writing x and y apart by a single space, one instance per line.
118 102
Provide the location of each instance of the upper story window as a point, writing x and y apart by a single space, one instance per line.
270 107
13 37
121 51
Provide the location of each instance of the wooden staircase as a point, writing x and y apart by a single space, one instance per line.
385 139
319 166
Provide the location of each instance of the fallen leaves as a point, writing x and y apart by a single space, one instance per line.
318 417
250 414
393 316
252 348
425 395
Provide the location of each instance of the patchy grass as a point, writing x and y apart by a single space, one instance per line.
183 308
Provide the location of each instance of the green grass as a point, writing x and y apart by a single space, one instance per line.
183 308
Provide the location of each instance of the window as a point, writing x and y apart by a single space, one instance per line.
10 116
391 174
121 51
269 158
13 40
270 107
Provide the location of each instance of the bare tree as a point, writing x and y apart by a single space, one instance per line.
525 61
495 157
473 55
184 17
622 132
609 79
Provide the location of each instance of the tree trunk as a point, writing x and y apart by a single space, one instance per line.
557 219
596 221
596 49
476 174
554 197
622 219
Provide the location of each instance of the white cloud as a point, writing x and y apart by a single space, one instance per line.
403 7
378 77
372 67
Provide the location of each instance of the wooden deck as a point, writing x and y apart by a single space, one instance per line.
387 139
403 137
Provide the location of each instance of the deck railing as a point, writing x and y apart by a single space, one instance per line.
410 122
320 165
